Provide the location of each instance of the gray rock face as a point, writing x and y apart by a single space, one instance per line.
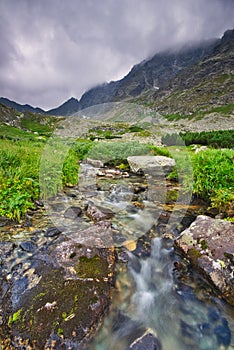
149 164
209 244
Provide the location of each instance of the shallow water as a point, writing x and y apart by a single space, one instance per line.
183 315
180 309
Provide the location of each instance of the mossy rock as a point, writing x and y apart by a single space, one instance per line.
94 267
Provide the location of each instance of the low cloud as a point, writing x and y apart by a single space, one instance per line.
52 50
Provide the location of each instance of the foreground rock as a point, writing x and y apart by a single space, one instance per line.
56 296
209 245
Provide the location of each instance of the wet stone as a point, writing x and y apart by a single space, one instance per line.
223 333
147 342
57 297
98 213
72 212
28 246
53 231
208 244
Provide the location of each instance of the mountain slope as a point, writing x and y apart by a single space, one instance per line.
19 107
149 74
12 120
207 86
67 108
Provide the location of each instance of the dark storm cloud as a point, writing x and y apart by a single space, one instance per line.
53 49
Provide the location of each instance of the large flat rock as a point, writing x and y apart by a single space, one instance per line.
209 244
151 163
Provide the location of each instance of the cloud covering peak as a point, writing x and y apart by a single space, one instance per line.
53 49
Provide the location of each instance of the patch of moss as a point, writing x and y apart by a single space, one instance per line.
194 254
172 196
204 244
92 267
15 317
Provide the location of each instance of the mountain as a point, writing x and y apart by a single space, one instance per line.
149 74
19 107
206 86
180 82
67 108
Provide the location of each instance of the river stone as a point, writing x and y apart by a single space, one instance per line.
97 213
55 298
53 231
146 342
72 212
95 162
156 164
209 244
28 246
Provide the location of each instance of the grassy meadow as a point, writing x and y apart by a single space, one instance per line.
21 152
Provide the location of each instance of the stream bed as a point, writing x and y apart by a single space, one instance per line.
156 291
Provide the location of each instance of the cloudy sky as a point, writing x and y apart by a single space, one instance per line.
51 50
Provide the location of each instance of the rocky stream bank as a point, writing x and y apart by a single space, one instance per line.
59 268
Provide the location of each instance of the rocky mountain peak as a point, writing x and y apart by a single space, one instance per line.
228 35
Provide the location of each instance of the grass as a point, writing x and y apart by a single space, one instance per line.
212 177
33 166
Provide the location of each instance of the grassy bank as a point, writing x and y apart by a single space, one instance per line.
20 166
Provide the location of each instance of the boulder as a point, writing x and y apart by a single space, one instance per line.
150 164
209 245
55 298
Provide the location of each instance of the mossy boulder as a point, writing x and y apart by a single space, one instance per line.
209 245
57 297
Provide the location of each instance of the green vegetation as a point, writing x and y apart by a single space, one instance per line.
33 166
210 177
214 178
116 152
221 138
15 317
92 267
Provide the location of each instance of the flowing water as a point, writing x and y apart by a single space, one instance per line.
174 304
178 308
182 315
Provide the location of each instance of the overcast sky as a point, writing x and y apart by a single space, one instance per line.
51 50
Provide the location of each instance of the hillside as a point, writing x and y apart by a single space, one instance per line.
206 87
192 81
19 107
149 74
15 124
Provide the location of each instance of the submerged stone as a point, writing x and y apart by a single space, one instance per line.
146 342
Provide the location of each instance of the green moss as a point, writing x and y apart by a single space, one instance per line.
92 267
172 196
204 244
15 317
60 331
194 254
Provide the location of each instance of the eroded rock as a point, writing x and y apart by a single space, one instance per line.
209 244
